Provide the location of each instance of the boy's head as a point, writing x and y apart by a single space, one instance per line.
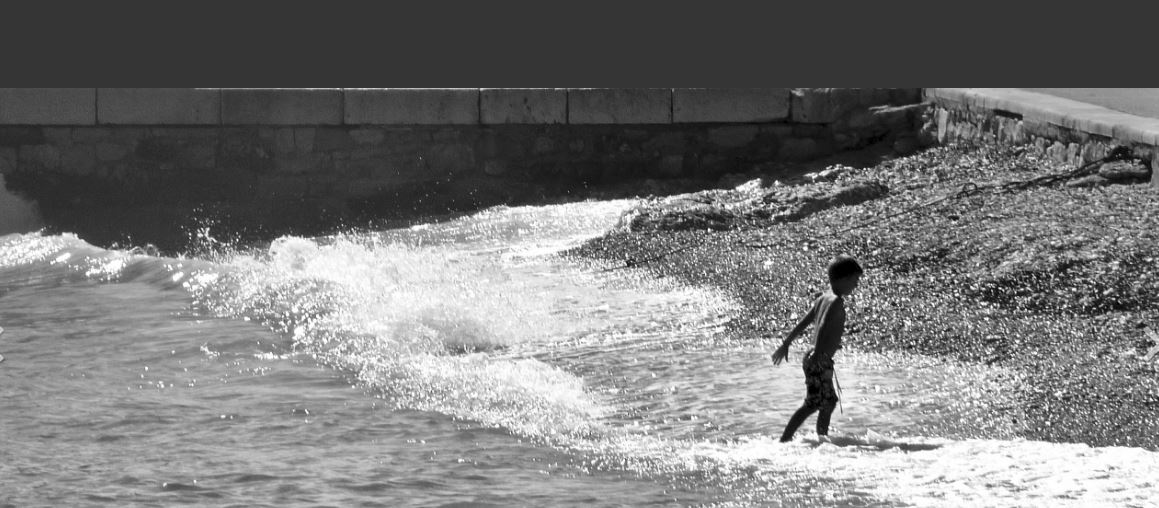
844 273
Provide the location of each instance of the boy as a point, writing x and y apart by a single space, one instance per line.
828 317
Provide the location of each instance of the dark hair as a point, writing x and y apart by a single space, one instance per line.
843 266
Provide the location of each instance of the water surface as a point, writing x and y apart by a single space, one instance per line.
468 362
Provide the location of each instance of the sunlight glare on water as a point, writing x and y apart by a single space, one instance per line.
486 368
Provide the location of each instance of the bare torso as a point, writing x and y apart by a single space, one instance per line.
828 323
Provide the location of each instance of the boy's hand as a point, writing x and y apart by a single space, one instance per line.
781 354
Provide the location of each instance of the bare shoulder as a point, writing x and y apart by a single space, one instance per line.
827 298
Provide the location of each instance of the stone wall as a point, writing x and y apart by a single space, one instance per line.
1065 131
287 157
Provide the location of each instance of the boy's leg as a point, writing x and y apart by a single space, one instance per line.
827 402
795 421
823 420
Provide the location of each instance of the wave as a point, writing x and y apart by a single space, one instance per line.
40 258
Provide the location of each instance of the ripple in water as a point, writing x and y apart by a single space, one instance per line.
475 330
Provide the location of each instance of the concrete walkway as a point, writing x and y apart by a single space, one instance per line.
1135 101
1124 114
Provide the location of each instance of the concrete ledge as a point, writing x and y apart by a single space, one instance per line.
159 106
417 106
523 105
1142 130
693 105
48 106
281 106
1075 115
619 105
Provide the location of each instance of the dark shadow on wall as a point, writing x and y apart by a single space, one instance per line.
174 212
173 215
17 214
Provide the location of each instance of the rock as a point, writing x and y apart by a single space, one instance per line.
1125 171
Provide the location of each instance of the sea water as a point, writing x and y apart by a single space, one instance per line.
469 363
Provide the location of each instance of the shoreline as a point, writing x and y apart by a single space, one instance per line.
1037 279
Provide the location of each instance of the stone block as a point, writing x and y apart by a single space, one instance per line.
304 139
824 105
90 135
523 105
331 139
16 136
281 106
158 149
159 106
129 134
411 106
450 159
108 152
46 156
695 105
200 156
193 133
78 159
298 165
367 136
48 106
369 153
442 135
59 136
733 136
543 145
283 141
666 142
619 105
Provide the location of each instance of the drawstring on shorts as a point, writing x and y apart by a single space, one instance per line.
838 384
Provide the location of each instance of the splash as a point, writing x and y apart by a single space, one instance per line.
412 317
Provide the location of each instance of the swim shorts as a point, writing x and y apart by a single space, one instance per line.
819 381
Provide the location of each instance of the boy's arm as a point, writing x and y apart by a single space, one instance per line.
782 353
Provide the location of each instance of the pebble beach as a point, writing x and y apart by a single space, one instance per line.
974 254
